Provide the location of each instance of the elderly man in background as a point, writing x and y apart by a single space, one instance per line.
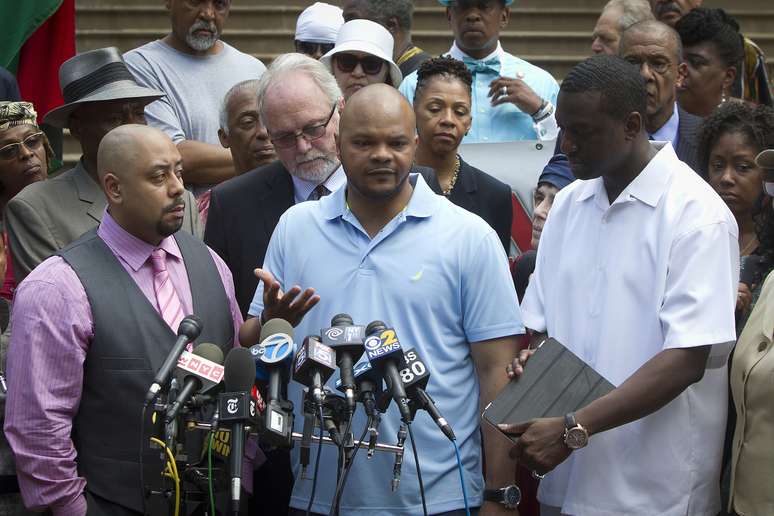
397 17
316 29
616 17
656 49
242 133
195 69
48 215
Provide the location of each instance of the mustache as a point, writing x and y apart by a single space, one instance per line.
669 7
203 25
177 203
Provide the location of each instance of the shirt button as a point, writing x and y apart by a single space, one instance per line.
762 346
485 138
482 110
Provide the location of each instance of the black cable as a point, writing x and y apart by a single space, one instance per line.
142 474
316 463
340 485
419 472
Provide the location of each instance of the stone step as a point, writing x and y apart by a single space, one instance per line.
246 17
271 41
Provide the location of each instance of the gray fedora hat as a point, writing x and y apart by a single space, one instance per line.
95 76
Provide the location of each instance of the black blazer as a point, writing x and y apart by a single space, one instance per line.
688 140
487 197
243 214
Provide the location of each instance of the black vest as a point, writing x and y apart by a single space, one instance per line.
130 342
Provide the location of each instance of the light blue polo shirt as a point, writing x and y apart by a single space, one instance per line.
438 275
506 122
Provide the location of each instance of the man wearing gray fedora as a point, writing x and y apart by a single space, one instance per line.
100 94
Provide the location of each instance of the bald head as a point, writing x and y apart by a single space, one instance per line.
126 147
653 31
377 103
377 142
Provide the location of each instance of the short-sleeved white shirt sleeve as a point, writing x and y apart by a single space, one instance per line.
617 284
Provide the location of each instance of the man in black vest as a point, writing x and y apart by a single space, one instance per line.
94 323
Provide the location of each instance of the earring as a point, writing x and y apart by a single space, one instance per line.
723 97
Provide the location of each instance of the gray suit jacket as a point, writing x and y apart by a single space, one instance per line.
48 215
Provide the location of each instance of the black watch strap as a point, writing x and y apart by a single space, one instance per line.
493 495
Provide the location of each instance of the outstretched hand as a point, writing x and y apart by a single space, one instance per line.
291 306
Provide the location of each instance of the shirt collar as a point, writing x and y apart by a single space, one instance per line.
668 131
458 54
128 247
422 204
303 188
647 187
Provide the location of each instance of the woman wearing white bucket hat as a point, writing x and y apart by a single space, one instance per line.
362 56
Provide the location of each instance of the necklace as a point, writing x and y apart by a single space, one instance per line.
455 175
750 247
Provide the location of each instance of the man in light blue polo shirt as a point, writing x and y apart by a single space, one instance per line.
387 248
512 99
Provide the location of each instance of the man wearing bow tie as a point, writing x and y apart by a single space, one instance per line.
512 99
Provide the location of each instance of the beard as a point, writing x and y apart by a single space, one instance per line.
166 229
202 43
315 168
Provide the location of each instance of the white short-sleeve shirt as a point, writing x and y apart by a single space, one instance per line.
617 284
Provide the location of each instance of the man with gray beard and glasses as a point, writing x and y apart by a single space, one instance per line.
195 69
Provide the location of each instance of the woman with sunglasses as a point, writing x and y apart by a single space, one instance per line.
362 56
442 105
316 29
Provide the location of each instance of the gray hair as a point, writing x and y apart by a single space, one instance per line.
240 87
290 63
381 11
634 11
652 27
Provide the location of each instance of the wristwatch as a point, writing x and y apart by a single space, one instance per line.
575 436
509 496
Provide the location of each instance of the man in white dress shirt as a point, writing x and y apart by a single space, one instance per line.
636 274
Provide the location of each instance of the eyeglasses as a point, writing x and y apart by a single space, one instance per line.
658 65
309 48
33 142
310 134
371 65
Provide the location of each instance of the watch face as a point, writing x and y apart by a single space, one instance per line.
576 438
511 497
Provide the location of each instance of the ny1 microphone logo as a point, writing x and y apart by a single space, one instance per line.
275 348
381 345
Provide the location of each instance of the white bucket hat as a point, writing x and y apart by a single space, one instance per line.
319 23
369 37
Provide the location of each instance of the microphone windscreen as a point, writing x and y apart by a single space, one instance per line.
190 326
209 351
239 370
274 326
375 326
342 320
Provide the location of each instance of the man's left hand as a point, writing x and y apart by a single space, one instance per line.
516 92
540 447
496 509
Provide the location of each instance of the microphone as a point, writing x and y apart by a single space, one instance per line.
315 363
346 339
273 357
236 406
200 371
414 376
386 356
189 329
369 385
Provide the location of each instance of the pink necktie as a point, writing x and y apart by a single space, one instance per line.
170 308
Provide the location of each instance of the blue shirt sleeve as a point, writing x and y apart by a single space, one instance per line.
490 308
408 87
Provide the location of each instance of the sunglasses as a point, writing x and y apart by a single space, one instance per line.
309 48
33 142
310 133
371 65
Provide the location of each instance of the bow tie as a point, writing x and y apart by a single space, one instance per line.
490 66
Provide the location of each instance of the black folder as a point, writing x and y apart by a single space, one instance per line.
555 382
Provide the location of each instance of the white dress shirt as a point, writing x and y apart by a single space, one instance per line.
302 189
617 284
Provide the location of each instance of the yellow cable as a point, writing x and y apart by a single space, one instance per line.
172 466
